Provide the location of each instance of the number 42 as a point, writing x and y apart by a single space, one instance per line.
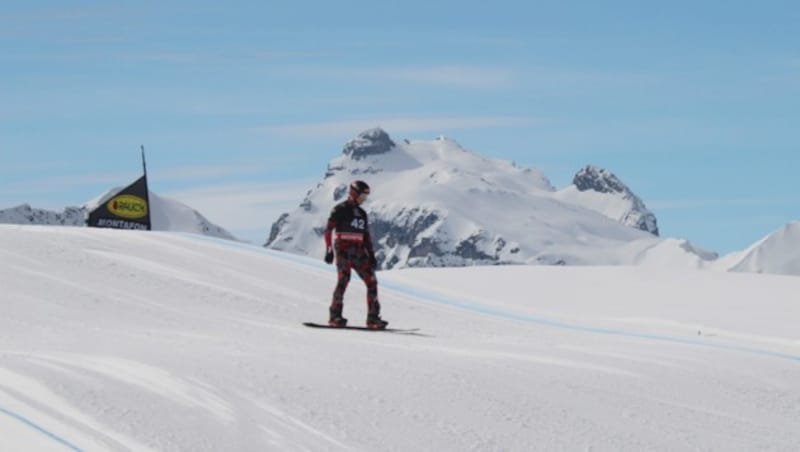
358 223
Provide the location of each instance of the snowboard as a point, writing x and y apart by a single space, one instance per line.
360 328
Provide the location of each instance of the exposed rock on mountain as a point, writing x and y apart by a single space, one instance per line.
435 203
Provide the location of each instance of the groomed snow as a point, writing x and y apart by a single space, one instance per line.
115 340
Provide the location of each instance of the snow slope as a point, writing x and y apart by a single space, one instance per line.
778 252
167 214
121 340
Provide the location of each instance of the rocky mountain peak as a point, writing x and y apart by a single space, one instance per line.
370 142
632 212
600 180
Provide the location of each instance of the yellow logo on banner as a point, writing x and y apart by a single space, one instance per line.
128 206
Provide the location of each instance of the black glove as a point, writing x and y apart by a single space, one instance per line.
329 256
373 262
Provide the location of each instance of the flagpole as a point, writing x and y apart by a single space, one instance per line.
144 164
146 191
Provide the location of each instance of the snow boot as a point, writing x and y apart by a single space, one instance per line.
374 322
336 320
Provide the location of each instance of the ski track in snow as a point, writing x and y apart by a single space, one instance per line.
33 400
283 428
148 378
38 429
486 310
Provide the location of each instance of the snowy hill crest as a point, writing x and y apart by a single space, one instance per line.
777 253
435 203
166 215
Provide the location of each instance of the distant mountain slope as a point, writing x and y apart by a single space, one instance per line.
166 215
778 252
435 203
25 214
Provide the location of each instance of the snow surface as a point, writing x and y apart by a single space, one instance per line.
129 340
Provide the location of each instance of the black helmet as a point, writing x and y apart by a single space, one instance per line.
359 190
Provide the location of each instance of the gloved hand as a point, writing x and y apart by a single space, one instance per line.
329 256
373 262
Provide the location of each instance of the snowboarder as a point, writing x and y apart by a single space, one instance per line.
353 246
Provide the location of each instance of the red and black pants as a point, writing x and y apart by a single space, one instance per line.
351 255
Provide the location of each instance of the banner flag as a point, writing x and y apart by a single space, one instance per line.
128 209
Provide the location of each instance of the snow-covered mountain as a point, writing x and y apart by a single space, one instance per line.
25 214
778 252
435 203
165 215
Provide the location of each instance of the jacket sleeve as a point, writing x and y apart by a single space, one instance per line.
329 228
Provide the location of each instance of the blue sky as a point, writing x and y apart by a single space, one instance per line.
240 105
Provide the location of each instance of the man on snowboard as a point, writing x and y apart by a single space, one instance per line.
354 250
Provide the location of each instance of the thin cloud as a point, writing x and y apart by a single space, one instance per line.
451 76
31 21
49 184
793 62
243 208
164 57
60 14
489 77
291 54
252 194
208 172
707 203
397 125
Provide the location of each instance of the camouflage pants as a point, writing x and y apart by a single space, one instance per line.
352 255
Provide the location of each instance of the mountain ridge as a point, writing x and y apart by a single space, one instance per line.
435 203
